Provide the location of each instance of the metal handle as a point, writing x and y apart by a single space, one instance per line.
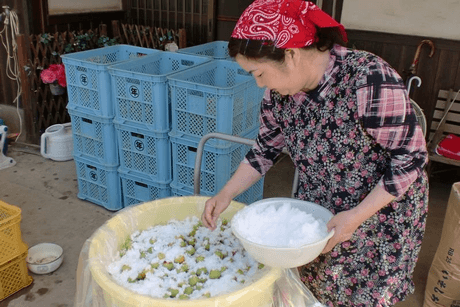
231 138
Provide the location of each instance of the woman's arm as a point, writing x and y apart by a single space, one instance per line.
386 114
244 177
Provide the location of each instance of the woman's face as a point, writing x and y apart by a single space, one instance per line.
287 78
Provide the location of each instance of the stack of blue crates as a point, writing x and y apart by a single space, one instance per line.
218 96
91 108
138 114
143 120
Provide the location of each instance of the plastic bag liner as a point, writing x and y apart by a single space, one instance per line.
290 291
96 288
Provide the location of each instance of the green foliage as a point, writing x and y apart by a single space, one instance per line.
81 42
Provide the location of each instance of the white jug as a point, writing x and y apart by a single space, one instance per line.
57 142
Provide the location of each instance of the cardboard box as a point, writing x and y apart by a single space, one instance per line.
443 283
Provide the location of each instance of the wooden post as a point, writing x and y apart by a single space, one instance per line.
211 21
27 105
115 29
182 38
102 30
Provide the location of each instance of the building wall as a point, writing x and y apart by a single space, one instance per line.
411 17
82 6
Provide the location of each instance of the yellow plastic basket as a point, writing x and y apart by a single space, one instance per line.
11 244
107 238
14 276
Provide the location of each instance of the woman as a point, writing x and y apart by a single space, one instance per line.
347 122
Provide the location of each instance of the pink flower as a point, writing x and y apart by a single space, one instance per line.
62 81
375 295
55 73
391 280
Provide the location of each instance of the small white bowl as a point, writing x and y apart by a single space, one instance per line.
286 257
44 258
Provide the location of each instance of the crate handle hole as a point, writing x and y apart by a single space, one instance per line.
141 184
137 135
187 62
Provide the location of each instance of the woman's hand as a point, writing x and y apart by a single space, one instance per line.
244 177
213 208
344 224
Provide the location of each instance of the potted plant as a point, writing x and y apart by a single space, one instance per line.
54 75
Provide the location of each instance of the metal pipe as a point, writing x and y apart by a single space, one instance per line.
231 138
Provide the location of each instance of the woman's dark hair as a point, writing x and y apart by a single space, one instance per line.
257 49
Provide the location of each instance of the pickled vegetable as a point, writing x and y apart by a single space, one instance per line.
188 261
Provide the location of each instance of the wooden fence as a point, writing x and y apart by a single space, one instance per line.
41 108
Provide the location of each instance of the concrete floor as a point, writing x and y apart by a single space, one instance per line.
46 191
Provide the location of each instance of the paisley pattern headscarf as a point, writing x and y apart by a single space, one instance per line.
288 23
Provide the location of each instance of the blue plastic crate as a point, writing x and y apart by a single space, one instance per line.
144 153
217 50
140 89
94 138
214 97
99 184
138 189
88 79
253 194
217 166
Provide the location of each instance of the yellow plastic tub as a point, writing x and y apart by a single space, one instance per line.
105 242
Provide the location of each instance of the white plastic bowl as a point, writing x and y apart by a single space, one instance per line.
44 258
286 257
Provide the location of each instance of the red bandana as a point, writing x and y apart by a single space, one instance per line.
288 23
